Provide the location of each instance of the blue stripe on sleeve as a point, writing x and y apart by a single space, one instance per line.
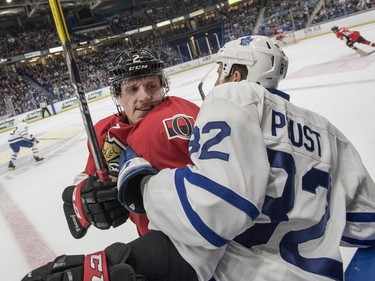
360 217
358 242
221 191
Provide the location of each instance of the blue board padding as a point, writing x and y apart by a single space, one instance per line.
362 265
53 109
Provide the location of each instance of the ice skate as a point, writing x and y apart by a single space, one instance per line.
38 159
11 165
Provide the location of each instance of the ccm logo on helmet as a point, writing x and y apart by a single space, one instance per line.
138 67
96 267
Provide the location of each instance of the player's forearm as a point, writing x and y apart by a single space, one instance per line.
166 211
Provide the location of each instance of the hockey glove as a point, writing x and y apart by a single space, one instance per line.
132 170
32 139
92 202
108 265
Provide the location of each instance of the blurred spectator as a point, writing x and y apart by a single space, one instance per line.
23 85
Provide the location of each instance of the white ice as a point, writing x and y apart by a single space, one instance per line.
324 76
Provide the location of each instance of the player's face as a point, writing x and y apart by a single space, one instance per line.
139 96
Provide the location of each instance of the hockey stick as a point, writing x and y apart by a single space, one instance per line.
62 31
201 92
200 85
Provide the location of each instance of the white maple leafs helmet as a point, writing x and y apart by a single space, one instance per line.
266 63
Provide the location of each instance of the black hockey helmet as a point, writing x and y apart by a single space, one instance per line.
335 28
133 63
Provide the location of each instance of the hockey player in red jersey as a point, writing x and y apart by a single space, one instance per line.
352 37
157 126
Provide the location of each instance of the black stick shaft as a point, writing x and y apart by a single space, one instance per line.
76 81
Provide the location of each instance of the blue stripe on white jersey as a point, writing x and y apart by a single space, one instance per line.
213 187
360 217
357 242
16 139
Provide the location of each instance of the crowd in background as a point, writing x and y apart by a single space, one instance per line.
24 85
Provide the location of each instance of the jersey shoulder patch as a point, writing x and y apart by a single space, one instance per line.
179 126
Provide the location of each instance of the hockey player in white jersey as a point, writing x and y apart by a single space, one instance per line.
275 189
20 137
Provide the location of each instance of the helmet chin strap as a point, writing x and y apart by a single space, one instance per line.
118 107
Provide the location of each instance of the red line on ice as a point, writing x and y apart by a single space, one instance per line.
333 67
31 243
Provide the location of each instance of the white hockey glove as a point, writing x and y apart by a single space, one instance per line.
132 170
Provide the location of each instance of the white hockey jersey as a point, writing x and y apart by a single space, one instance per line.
20 132
273 192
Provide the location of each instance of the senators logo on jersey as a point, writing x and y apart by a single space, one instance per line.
179 126
114 145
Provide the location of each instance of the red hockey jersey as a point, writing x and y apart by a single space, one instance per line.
161 138
350 36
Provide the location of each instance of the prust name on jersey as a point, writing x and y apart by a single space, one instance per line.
298 133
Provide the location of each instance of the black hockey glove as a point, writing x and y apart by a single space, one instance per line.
32 139
108 265
92 202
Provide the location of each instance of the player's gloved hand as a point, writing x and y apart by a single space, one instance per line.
108 265
92 202
132 170
32 138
